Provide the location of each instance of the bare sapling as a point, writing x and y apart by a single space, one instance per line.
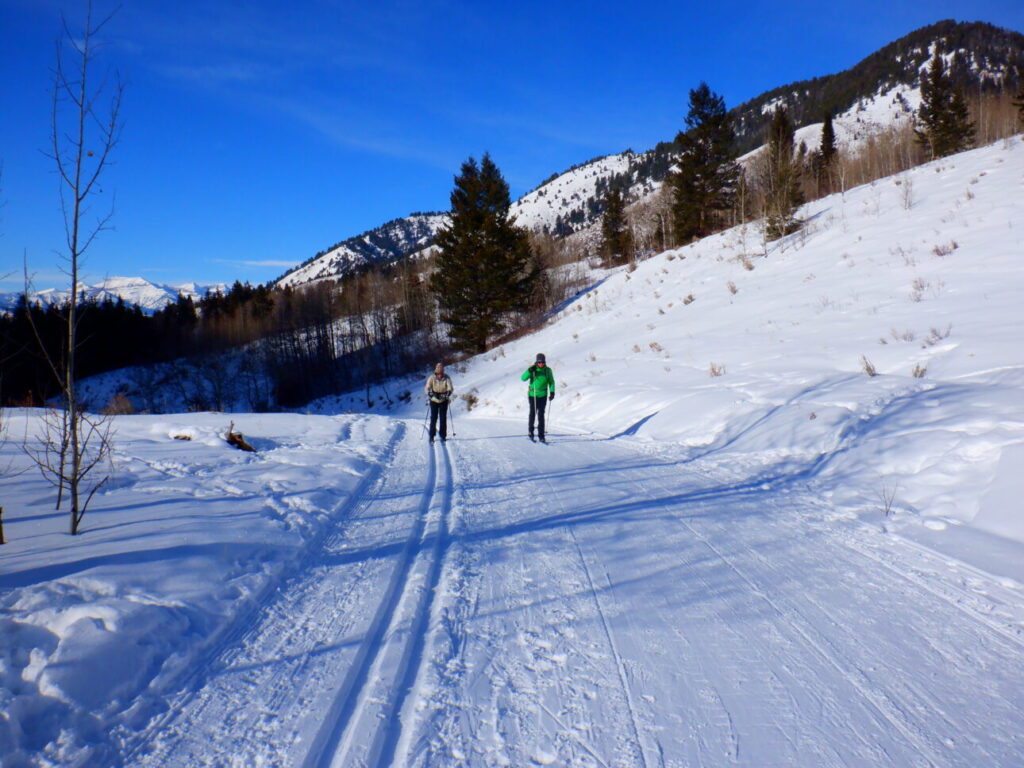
73 445
886 498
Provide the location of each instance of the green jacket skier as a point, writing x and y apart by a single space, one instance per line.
541 389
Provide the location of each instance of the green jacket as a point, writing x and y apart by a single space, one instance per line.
540 380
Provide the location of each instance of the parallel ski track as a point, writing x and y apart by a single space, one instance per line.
336 737
415 651
246 622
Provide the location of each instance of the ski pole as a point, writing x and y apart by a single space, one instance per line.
425 417
451 415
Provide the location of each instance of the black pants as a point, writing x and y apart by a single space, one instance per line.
537 406
439 409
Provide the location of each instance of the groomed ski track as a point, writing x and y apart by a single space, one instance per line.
602 602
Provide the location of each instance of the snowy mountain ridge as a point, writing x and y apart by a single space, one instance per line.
395 240
878 93
137 291
980 58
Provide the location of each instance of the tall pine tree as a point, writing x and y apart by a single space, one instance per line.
486 272
1018 102
780 178
825 157
943 124
616 238
704 182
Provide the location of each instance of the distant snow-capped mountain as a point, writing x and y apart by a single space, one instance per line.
132 290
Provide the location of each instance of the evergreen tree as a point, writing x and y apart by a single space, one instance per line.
1018 102
781 178
943 125
704 184
486 271
616 238
826 155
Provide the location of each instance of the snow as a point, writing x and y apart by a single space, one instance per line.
789 563
890 109
568 191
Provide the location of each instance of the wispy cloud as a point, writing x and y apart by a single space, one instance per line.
275 263
227 73
349 126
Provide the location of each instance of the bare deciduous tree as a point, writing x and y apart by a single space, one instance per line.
72 443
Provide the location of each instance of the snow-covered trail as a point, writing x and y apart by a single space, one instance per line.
598 602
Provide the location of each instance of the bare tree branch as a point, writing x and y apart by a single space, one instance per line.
74 445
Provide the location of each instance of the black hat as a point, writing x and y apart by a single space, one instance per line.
541 358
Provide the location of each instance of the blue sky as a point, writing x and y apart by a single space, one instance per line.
258 132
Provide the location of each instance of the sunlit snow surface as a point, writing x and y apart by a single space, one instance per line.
696 571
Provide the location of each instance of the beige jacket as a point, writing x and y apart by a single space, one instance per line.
439 389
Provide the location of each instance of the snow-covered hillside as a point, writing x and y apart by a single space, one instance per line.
979 57
890 109
573 197
739 547
918 274
399 238
133 290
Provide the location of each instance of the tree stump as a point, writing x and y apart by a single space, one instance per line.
237 440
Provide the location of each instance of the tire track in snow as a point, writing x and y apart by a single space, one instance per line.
342 740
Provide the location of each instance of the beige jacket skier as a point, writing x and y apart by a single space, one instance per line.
439 387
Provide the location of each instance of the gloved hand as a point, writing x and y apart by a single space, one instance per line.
551 396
